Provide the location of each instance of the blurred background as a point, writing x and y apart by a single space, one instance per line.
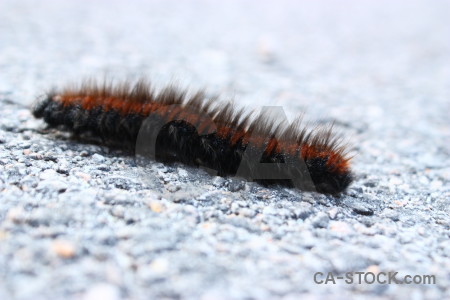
296 53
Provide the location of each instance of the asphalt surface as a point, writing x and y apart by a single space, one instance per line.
83 221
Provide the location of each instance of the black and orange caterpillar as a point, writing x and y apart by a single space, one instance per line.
200 131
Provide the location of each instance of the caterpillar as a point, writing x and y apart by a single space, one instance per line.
201 131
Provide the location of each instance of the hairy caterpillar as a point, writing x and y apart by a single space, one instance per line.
202 132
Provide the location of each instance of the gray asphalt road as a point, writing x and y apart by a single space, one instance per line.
78 221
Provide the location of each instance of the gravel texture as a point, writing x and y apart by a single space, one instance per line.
82 221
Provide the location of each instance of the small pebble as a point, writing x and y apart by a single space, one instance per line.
64 249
